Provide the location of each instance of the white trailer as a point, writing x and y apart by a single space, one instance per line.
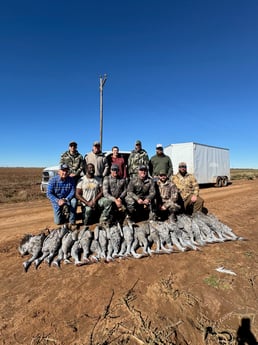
209 164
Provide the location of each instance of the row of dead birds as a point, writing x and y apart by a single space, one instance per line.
109 242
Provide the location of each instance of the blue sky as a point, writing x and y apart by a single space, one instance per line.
177 71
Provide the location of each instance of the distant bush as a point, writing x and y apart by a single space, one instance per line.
243 174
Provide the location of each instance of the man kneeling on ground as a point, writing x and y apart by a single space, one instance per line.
89 192
167 195
60 191
188 188
140 195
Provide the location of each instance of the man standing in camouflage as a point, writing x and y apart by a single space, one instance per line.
74 160
137 158
188 188
140 195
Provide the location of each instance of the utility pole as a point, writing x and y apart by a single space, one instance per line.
102 81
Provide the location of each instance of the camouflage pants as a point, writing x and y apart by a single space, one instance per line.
139 212
100 213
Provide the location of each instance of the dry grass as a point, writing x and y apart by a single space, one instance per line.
23 184
20 184
240 174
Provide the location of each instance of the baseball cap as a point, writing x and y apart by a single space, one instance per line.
182 165
163 172
138 142
142 167
114 167
72 143
64 167
96 143
159 146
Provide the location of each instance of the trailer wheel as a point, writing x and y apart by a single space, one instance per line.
224 181
219 181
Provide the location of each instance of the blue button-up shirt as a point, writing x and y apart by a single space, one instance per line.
60 189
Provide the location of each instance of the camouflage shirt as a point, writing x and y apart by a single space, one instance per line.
114 188
136 159
167 191
187 185
141 189
75 162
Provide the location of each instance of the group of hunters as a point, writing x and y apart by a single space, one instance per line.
110 189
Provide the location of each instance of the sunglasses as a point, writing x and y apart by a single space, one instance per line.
182 166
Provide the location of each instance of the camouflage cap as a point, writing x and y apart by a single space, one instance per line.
142 167
138 142
163 172
114 167
96 143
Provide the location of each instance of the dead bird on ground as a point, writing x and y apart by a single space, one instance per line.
141 233
114 237
164 236
81 248
64 252
31 244
51 245
128 238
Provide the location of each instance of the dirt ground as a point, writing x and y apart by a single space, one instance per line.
164 299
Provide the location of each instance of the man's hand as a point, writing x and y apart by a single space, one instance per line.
146 202
193 198
118 202
61 202
91 203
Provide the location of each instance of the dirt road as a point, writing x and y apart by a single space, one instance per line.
164 299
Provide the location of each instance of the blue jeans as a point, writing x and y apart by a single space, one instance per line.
58 214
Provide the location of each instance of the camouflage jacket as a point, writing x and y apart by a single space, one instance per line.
141 189
166 191
136 159
114 188
187 185
75 162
